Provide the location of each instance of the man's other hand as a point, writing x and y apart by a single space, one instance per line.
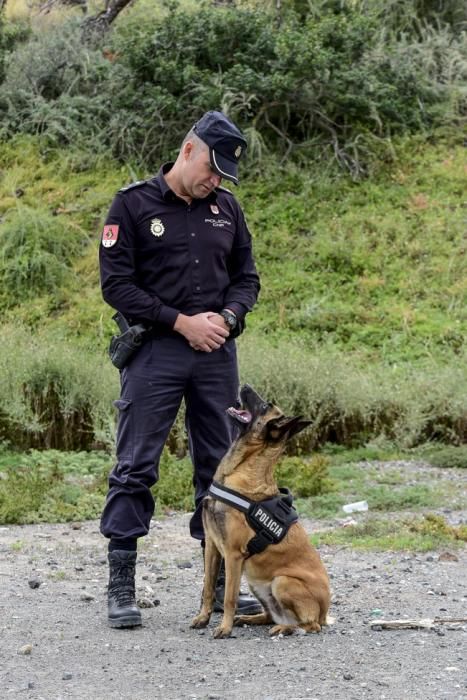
203 331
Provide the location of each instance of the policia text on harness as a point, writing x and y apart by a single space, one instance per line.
270 519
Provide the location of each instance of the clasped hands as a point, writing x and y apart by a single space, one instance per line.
206 331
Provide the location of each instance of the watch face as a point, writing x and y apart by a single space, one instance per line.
230 319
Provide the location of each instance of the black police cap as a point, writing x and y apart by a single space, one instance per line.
226 143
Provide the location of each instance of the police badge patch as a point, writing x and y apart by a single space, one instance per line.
214 208
157 228
110 235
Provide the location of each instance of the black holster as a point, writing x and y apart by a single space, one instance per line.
123 347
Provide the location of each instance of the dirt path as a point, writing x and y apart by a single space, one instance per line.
73 654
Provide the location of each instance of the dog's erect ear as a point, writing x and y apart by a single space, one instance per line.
286 427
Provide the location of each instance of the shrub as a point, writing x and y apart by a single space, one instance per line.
37 251
55 395
330 83
304 477
448 457
350 403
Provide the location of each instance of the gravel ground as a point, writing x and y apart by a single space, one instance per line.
55 643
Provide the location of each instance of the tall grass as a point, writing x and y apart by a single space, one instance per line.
57 394
351 402
54 393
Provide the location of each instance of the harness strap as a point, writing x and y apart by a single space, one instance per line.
270 518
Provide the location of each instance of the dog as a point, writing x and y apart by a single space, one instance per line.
287 577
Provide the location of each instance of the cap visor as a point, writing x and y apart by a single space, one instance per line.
223 166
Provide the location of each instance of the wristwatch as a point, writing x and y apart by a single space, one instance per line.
230 318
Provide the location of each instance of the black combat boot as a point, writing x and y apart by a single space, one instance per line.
123 611
246 604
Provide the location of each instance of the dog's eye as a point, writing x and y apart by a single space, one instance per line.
264 407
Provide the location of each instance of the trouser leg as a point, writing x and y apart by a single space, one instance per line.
151 394
212 388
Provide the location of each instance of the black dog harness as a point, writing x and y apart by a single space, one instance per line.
270 519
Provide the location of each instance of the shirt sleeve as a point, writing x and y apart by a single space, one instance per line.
119 284
243 290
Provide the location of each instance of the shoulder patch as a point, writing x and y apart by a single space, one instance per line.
132 185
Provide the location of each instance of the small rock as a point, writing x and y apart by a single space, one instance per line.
156 602
67 676
25 650
185 565
377 628
144 603
34 583
447 556
87 597
75 526
347 676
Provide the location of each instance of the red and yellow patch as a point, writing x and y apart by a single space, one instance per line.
110 235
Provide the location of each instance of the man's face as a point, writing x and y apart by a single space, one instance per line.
198 177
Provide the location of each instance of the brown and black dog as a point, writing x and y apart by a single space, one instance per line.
288 577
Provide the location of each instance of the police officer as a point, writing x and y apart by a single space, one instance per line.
175 255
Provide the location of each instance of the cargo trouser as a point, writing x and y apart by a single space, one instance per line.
164 371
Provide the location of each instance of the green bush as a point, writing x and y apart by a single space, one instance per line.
330 84
52 486
352 403
448 457
304 477
37 251
55 394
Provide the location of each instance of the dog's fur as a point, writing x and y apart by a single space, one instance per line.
288 578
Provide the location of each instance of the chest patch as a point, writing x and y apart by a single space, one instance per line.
157 228
110 235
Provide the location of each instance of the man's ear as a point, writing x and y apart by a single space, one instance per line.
187 149
286 427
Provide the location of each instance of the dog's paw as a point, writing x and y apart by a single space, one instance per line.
221 632
282 629
200 621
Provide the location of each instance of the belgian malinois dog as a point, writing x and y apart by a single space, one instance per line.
287 577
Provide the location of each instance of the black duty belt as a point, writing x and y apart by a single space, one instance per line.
270 519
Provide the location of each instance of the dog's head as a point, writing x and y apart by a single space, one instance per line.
262 422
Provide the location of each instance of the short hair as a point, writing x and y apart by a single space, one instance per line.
195 139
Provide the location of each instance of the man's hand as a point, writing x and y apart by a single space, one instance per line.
203 331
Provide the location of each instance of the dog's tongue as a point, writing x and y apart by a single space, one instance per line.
239 414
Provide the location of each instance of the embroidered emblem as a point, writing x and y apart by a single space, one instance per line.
157 228
214 208
238 152
110 235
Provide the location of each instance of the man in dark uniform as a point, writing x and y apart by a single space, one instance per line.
175 255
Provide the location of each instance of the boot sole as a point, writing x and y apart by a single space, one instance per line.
125 622
253 609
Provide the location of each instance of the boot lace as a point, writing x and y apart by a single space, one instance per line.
122 584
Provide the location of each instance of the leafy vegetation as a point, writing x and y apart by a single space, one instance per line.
362 73
353 189
386 489
420 534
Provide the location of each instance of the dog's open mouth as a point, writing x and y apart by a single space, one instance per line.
239 414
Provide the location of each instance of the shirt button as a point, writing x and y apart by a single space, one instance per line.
197 288
192 234
197 261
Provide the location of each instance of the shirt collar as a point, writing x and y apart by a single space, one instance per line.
168 194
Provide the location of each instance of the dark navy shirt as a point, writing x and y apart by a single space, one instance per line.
167 256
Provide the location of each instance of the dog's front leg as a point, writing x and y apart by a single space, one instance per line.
233 575
212 562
